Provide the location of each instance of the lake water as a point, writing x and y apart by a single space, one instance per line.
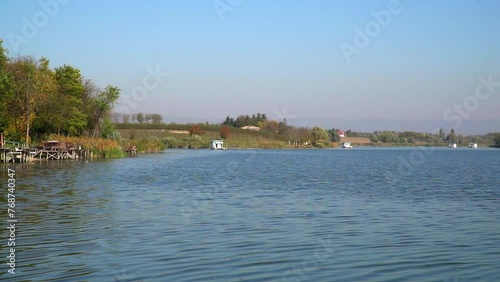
396 214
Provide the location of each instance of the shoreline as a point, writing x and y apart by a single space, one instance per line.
336 148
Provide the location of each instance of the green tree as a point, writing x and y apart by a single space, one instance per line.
334 135
283 128
31 82
6 87
70 101
140 117
317 134
3 56
452 137
388 137
241 121
441 133
36 100
102 105
90 95
47 114
156 118
108 129
373 138
497 140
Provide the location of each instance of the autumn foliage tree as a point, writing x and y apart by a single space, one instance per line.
225 132
36 100
195 130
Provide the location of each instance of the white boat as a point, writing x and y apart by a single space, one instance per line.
452 145
346 145
473 145
217 144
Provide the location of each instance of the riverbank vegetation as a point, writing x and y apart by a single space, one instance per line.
428 139
37 100
39 103
274 134
497 140
100 147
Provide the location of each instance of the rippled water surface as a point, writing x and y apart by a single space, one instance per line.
260 215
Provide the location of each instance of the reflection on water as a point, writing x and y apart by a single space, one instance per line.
260 215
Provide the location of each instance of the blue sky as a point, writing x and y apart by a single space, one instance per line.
282 58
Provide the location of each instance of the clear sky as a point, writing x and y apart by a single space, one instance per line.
283 58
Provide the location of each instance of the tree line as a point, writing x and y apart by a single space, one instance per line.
245 120
439 138
295 135
36 100
299 136
137 118
496 138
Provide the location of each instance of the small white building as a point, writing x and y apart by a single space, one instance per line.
217 144
452 145
473 145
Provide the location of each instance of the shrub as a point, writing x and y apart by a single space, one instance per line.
150 145
195 130
225 132
172 142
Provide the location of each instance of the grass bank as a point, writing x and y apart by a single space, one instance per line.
182 139
100 147
112 148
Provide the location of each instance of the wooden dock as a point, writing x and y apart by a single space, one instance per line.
131 150
60 154
13 155
10 155
51 150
